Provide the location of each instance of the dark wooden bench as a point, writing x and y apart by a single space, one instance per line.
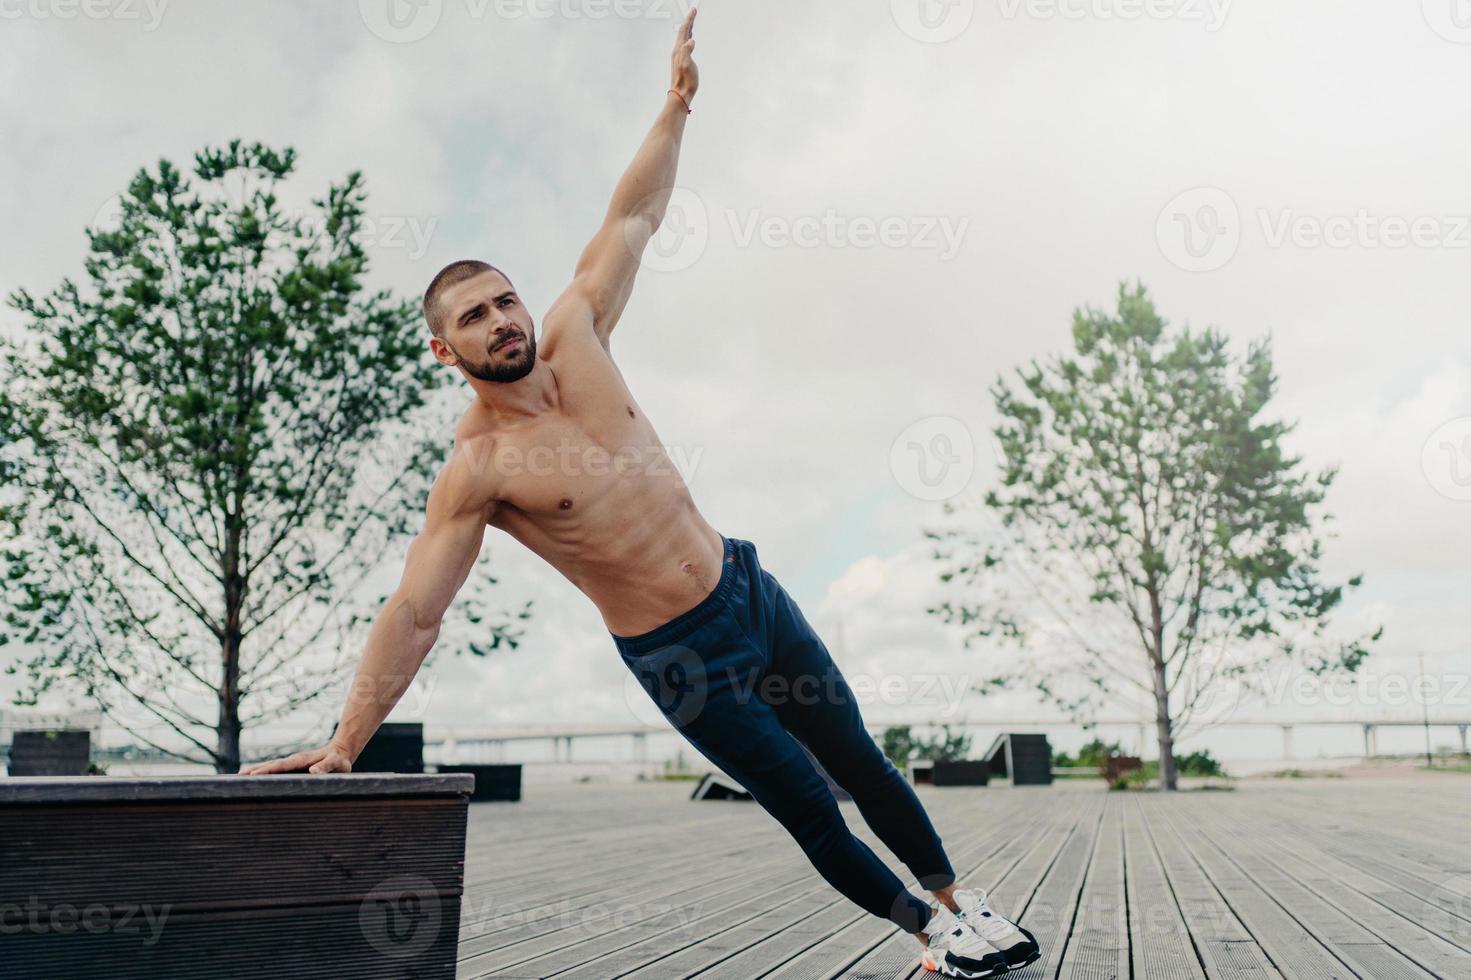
961 772
342 876
397 746
58 752
1027 759
499 782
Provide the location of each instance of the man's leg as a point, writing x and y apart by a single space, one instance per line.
719 710
819 708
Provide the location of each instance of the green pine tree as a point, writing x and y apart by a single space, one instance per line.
1151 539
206 446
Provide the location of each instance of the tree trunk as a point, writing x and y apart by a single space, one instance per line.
1163 727
227 731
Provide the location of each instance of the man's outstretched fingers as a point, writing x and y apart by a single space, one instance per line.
287 764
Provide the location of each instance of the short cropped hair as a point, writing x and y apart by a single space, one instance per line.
450 275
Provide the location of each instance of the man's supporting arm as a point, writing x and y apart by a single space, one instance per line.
439 561
606 269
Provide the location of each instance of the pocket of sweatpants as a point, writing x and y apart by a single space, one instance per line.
714 662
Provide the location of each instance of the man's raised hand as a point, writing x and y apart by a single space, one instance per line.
685 76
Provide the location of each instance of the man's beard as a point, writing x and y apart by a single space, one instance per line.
503 372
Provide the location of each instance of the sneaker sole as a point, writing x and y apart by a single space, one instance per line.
1036 950
934 967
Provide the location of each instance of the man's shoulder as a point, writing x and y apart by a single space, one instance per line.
468 478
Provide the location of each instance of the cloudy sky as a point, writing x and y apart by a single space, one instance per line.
883 206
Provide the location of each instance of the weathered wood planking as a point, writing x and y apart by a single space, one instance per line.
1319 879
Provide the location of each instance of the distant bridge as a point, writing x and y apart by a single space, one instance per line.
561 736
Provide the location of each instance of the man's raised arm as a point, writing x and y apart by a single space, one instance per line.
439 560
605 271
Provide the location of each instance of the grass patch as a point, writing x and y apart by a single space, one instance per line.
1307 774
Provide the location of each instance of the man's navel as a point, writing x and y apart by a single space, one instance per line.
699 579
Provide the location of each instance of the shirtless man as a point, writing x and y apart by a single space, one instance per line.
555 451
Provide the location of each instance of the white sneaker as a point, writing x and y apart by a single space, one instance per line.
955 950
1018 945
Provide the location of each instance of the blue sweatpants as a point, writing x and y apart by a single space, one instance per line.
743 677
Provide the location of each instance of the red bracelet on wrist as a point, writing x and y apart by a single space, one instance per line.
687 109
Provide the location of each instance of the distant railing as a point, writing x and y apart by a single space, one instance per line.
562 737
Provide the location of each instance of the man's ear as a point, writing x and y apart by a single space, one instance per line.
442 352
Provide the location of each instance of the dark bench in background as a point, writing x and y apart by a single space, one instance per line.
493 783
394 747
356 877
1027 759
52 752
399 747
961 772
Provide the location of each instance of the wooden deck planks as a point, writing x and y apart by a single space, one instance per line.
1276 880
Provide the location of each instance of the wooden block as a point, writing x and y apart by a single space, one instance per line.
394 747
962 772
50 753
249 877
500 783
716 786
